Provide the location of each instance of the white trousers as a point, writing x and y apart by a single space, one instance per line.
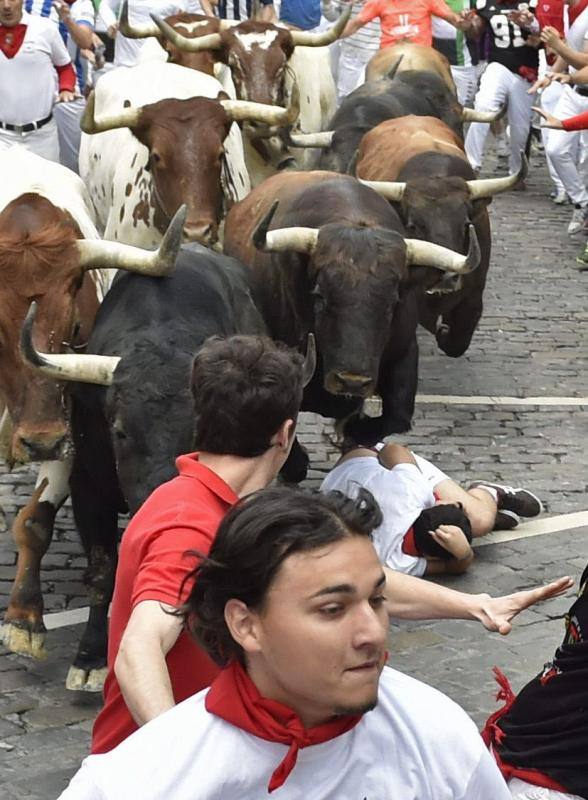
43 142
549 99
351 69
466 83
68 116
563 148
498 86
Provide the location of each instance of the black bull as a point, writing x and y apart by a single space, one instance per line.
128 434
348 279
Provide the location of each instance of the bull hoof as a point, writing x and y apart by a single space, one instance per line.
82 680
19 639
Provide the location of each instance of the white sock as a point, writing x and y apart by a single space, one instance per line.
492 492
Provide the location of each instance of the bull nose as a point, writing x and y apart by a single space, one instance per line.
40 447
349 383
203 232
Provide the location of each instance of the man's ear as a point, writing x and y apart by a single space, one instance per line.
285 434
243 625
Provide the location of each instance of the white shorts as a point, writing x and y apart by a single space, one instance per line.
432 474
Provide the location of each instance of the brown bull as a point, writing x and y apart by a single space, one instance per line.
414 57
419 164
44 257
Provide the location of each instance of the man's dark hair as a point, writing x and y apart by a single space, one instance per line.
253 540
244 388
429 520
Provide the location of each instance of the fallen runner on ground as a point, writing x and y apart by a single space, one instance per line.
429 520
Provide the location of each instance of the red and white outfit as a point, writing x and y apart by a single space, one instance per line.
402 493
182 514
32 53
405 20
416 744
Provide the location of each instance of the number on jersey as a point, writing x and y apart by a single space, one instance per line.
506 34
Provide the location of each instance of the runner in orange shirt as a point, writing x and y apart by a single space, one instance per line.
404 20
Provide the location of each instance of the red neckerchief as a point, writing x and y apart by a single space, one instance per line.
11 39
234 697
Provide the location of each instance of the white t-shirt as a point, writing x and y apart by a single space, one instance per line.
27 81
126 51
577 37
82 12
402 493
416 744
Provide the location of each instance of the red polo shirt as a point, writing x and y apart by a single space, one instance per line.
181 515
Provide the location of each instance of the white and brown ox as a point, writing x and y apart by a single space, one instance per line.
162 136
50 252
265 61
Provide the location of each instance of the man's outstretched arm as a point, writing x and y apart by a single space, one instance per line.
414 598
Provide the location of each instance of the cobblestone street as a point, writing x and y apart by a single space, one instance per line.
531 343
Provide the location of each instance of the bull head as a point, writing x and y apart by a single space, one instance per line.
214 41
237 110
145 31
65 367
418 253
478 189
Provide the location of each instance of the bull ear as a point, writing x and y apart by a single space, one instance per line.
259 235
309 366
222 95
65 367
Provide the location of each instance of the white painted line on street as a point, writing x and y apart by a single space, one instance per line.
537 527
456 400
61 619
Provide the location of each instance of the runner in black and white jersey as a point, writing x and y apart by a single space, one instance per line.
512 68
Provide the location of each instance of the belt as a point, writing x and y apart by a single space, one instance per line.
581 90
30 126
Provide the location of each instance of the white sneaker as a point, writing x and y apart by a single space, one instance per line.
577 220
559 197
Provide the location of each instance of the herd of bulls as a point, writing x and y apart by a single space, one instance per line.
386 226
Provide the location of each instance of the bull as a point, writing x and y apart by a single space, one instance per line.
406 56
422 93
420 165
328 256
50 251
132 412
164 136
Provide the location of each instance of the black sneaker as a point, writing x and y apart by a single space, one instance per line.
520 501
506 520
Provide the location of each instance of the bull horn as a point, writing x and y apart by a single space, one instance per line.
325 37
132 31
126 118
65 367
488 187
196 44
246 111
391 74
309 365
390 190
98 254
319 139
302 240
427 254
471 115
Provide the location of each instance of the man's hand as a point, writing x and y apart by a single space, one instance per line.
453 539
550 120
524 19
497 613
547 80
63 11
112 30
65 97
551 38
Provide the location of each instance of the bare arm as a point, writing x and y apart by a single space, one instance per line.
140 666
575 58
393 454
268 14
352 27
413 598
81 34
207 8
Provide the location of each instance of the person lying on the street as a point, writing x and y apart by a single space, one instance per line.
540 737
291 603
429 520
